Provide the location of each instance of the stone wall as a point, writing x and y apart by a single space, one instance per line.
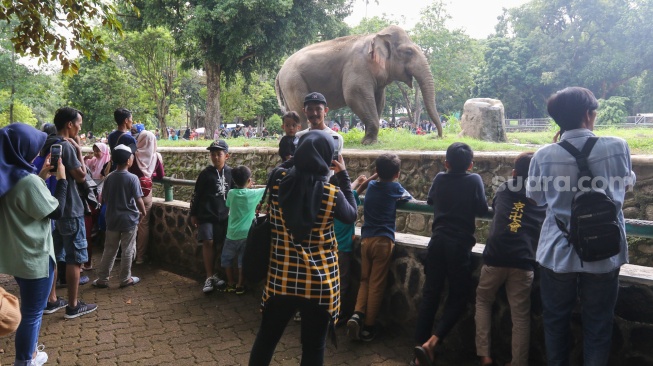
173 246
417 172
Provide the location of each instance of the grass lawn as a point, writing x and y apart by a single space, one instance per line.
639 139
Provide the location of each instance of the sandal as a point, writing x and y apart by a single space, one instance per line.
422 356
99 284
134 280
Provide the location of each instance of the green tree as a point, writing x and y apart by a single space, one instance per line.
56 29
612 111
150 54
512 75
601 45
98 89
454 57
643 103
248 101
374 24
40 90
21 112
227 37
273 124
192 89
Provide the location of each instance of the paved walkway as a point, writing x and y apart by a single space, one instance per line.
167 320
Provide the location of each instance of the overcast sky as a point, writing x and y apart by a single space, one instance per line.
476 17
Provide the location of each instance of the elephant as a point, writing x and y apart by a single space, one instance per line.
354 71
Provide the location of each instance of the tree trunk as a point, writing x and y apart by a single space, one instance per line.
213 70
161 112
13 86
417 108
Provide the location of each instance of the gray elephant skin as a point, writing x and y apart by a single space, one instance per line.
354 71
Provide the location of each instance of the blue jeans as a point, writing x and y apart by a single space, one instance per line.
276 315
598 297
33 299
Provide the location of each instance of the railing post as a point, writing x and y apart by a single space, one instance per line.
168 189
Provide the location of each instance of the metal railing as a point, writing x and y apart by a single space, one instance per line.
639 228
539 124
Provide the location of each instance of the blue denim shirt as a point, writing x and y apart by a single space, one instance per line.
553 177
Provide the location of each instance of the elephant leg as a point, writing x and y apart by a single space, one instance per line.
380 102
364 105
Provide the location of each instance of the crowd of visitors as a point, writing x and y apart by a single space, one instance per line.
313 209
53 217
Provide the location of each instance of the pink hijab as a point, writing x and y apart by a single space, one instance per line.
146 155
96 164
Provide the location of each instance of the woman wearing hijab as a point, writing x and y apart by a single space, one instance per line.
95 163
303 272
149 164
26 207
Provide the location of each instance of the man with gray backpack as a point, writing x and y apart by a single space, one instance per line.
583 180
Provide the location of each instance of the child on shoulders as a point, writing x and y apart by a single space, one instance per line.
287 142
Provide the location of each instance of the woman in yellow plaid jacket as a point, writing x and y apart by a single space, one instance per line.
303 272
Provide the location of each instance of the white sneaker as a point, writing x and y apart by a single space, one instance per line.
41 357
208 285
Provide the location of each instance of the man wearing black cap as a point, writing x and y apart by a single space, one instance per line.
209 212
315 109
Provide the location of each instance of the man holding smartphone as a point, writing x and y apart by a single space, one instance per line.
69 234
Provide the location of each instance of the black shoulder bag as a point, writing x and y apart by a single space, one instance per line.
594 229
256 258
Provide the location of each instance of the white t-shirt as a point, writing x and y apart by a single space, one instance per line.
341 142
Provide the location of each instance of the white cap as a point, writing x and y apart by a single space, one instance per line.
123 147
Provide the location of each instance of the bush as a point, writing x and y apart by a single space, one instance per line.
273 124
452 125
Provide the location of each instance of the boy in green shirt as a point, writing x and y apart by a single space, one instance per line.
242 203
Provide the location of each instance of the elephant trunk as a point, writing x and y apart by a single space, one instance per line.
427 86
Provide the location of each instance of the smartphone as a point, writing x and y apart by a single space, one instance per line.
336 150
55 154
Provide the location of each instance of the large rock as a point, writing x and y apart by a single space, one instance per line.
483 119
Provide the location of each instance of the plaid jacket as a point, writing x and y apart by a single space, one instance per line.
309 269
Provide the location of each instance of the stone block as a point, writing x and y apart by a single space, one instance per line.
483 119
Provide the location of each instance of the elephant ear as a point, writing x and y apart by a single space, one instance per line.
379 49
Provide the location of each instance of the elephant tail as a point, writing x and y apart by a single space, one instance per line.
280 99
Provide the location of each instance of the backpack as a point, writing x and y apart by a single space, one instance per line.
594 230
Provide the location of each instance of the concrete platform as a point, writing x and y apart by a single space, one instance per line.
167 320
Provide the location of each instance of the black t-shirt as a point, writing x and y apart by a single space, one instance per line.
286 146
457 199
